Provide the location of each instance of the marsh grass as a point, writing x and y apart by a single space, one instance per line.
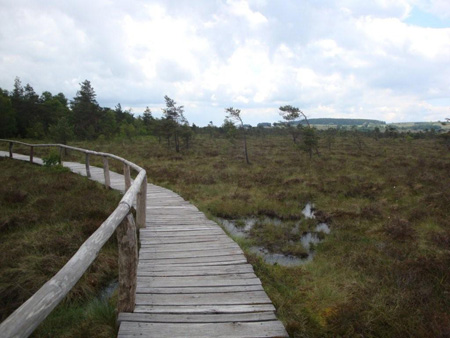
45 215
383 269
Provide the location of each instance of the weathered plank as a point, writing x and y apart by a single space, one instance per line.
202 289
196 281
230 262
204 309
188 247
189 254
250 297
234 329
201 260
183 233
181 270
197 318
203 239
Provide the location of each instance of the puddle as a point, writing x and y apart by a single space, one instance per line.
280 259
309 238
241 228
308 210
323 227
107 292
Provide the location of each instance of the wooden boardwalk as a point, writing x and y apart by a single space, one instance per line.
192 280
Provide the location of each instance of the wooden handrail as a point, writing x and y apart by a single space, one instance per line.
23 321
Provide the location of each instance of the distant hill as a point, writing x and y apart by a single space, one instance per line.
340 122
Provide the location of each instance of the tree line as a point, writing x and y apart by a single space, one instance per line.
25 114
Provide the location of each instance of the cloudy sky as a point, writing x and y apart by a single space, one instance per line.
380 59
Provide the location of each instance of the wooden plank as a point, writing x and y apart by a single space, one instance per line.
188 254
188 260
184 240
169 228
173 330
230 262
183 233
251 297
188 247
150 266
203 289
196 318
248 275
181 270
163 282
213 238
204 309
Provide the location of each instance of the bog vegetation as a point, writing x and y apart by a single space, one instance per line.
45 215
383 269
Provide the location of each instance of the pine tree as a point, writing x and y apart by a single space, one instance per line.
86 112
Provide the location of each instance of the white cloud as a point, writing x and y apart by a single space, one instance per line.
348 58
440 8
241 8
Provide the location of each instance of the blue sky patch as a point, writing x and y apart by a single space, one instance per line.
421 18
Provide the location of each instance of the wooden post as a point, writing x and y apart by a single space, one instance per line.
126 174
60 155
128 259
31 154
141 204
11 149
106 172
88 171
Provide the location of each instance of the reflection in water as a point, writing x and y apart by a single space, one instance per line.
107 292
308 210
232 229
323 227
308 238
275 258
242 229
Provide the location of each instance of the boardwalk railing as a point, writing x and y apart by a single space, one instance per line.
27 317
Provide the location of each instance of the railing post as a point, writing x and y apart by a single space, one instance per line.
31 154
88 171
128 258
126 174
141 204
11 149
106 172
60 155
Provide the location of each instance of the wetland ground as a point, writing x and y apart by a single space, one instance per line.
382 271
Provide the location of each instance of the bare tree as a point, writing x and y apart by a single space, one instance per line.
235 114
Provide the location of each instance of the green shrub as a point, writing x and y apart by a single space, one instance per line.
51 160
